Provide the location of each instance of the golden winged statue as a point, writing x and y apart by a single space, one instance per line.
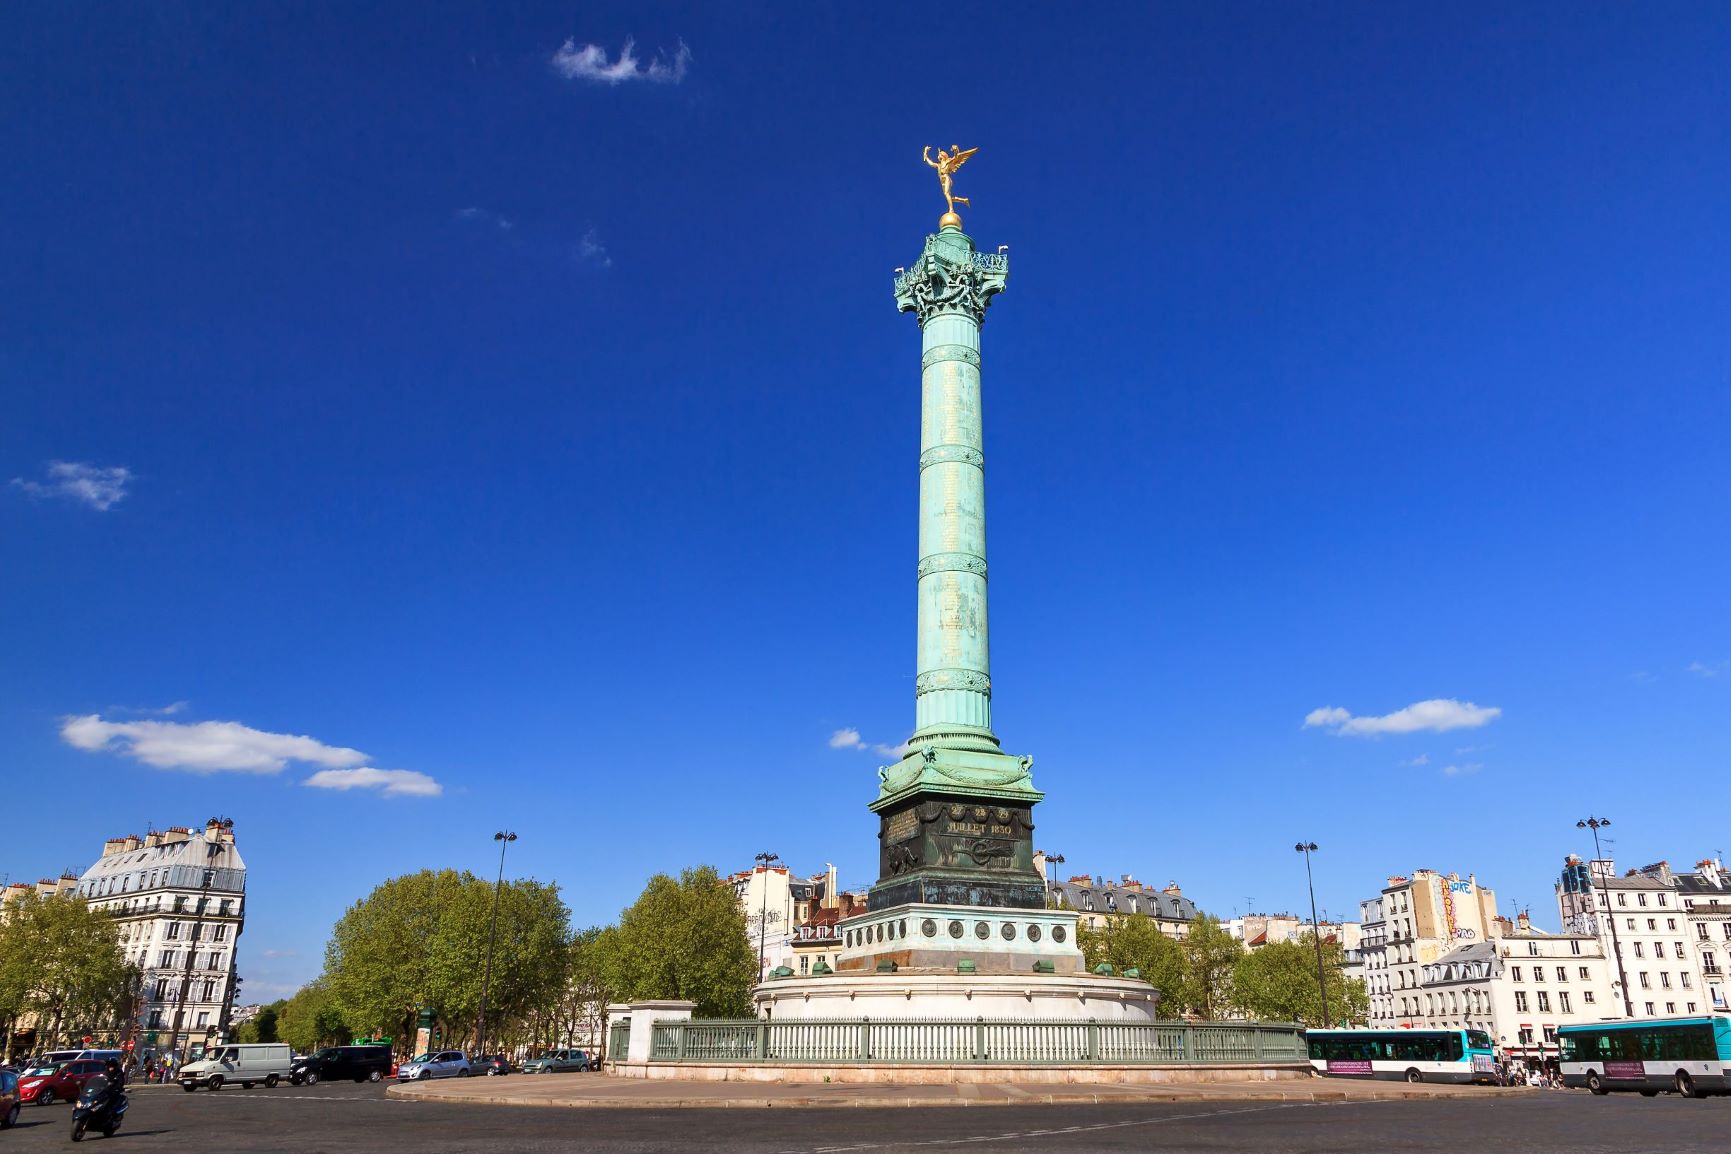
946 164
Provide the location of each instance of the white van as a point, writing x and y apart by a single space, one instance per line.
267 1062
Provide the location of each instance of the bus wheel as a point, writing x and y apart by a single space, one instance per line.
1414 1076
1595 1083
1686 1084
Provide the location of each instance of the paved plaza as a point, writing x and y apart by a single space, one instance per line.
336 1119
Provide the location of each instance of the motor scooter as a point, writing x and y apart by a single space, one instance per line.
99 1108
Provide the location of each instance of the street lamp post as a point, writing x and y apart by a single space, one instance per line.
1596 824
1307 848
504 838
764 860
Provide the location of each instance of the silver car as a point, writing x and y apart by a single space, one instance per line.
441 1064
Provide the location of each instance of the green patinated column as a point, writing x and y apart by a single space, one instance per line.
955 811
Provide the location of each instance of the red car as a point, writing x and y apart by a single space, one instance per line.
44 1085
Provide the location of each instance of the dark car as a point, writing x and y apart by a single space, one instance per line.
9 1103
496 1066
335 1063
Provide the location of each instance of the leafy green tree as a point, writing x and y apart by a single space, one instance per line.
683 939
1211 955
61 961
312 1019
1136 942
1278 983
263 1027
421 940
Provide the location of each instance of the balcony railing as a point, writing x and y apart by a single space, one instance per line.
979 1041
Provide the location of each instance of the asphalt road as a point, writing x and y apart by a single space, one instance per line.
328 1119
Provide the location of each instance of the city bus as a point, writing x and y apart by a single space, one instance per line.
1412 1055
1691 1056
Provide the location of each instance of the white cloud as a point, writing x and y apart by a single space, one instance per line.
589 62
1421 759
591 250
1438 715
100 487
1702 669
204 746
389 782
483 215
850 739
1462 770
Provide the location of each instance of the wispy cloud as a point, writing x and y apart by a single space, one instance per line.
485 216
1421 759
850 739
1462 770
99 486
207 747
168 710
278 954
202 747
591 250
590 62
1703 669
389 782
1438 715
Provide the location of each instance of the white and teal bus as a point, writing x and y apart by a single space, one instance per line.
1404 1055
1691 1056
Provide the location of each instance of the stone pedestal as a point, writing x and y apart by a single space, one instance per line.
923 997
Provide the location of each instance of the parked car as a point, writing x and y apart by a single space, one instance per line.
335 1063
247 1064
441 1064
55 1057
10 1103
45 1085
558 1062
496 1066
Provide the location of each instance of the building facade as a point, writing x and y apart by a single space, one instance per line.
1519 988
1097 901
1662 931
179 898
1417 920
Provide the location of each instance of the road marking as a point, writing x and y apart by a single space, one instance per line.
1025 1134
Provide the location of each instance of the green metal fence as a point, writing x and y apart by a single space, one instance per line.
980 1040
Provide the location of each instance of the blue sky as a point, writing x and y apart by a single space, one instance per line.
438 388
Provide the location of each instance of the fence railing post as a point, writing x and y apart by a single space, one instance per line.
865 1047
979 1039
678 1041
1256 1039
1188 1044
1093 1040
762 1041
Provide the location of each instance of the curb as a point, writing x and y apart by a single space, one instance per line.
416 1094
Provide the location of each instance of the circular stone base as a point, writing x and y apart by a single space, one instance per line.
911 994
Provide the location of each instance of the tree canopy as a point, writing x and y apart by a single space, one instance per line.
683 939
1278 983
421 941
1137 942
1211 955
312 1019
61 961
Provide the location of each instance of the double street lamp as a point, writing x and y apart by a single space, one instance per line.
504 838
1307 848
1596 824
764 860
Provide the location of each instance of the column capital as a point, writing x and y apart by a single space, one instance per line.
950 277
